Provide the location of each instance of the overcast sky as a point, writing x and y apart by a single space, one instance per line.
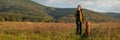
96 5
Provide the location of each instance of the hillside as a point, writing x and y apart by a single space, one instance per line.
115 15
27 10
66 15
23 10
60 12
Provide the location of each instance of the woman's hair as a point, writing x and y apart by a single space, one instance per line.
79 7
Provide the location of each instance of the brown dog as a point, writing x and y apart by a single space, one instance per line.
87 29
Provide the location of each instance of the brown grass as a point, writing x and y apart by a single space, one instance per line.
105 31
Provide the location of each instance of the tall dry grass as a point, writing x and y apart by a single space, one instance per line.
57 31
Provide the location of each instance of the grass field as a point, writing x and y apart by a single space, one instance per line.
57 31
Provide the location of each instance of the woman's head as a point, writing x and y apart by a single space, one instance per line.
79 8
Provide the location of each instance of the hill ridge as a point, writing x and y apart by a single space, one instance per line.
30 11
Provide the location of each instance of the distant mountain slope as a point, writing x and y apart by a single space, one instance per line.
66 15
60 12
23 10
115 15
27 10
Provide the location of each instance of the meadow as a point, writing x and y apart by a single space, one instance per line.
57 31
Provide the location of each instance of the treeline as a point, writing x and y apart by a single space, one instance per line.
23 18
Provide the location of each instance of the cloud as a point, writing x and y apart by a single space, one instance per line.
103 5
96 5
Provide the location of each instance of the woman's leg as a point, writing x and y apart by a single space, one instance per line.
80 27
77 27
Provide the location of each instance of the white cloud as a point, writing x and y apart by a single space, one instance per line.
97 5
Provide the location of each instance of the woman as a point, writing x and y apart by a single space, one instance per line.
79 19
